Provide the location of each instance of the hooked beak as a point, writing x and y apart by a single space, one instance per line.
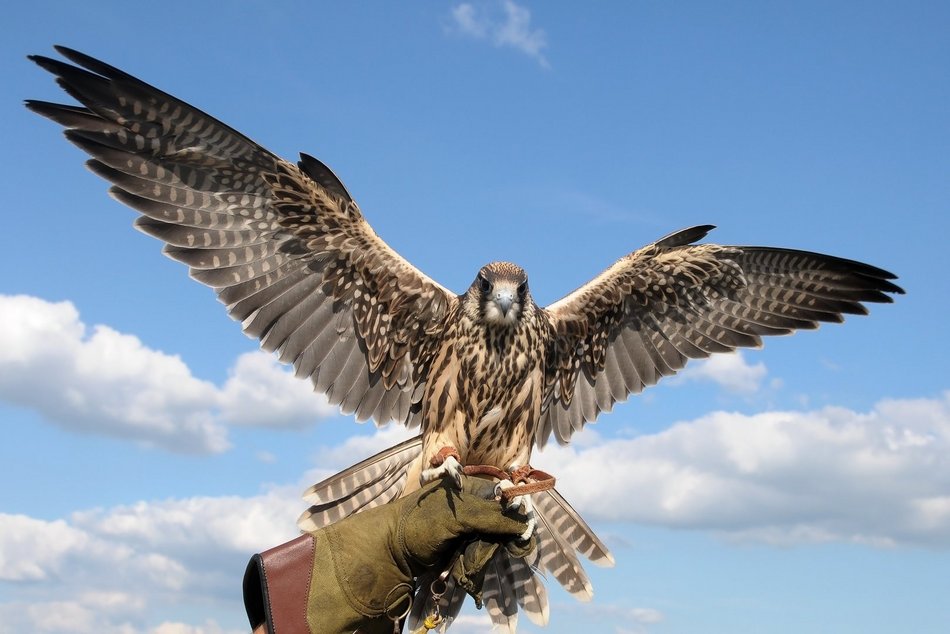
504 299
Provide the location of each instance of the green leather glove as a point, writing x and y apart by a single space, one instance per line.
363 567
375 555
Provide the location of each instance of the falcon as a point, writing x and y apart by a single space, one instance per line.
487 372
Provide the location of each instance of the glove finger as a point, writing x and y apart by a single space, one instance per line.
486 517
479 487
469 569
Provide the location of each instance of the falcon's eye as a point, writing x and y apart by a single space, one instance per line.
523 287
484 284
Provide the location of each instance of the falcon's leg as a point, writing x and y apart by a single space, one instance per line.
445 464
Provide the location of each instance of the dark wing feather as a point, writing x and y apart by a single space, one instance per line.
284 246
653 310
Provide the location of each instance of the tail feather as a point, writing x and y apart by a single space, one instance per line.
374 494
341 485
498 593
507 576
529 590
559 558
564 520
372 482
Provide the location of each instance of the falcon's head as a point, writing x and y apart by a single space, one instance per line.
499 294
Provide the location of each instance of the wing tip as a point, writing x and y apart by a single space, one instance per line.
685 236
36 105
44 62
91 63
320 173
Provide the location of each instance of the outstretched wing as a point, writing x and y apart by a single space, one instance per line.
284 246
654 309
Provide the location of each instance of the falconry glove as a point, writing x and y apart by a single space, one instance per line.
357 574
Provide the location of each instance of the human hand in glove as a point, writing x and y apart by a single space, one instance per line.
357 574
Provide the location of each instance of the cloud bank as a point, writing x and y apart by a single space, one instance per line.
878 478
98 380
782 477
112 570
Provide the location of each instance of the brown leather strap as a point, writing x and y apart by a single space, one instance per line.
445 452
277 586
527 479
485 469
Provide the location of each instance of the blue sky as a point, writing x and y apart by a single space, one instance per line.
804 487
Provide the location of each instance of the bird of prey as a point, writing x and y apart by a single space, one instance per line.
488 372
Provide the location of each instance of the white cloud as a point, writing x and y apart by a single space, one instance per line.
208 627
85 616
33 550
510 27
102 381
235 523
729 371
51 551
355 448
331 460
472 623
878 478
599 616
260 392
115 570
467 22
99 585
67 617
646 615
266 457
596 617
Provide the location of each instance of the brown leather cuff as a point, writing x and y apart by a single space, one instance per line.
277 585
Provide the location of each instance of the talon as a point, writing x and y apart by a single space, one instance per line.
528 532
450 468
527 507
522 502
501 486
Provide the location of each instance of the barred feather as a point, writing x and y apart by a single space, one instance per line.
372 482
499 597
556 557
518 578
564 520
